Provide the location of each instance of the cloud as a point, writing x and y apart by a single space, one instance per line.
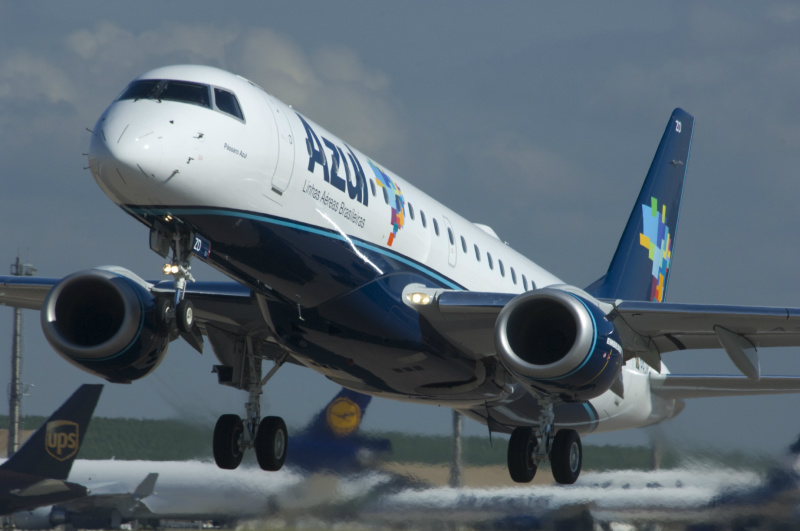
24 76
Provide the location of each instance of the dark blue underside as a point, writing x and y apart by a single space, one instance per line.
336 301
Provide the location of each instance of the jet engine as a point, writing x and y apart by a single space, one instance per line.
105 322
559 343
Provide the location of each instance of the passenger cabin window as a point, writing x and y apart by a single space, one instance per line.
524 283
450 236
372 185
227 103
502 269
422 217
513 276
489 259
435 226
385 195
168 90
411 210
464 245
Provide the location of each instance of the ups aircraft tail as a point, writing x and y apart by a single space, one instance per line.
640 268
50 451
331 440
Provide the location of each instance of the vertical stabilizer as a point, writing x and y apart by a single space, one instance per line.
640 268
50 451
332 441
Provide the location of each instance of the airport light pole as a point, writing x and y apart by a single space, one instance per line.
455 470
18 269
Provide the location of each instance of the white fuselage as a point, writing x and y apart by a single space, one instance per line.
158 158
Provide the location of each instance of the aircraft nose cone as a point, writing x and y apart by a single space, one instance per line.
122 149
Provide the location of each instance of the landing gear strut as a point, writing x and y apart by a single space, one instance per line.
527 448
267 436
180 310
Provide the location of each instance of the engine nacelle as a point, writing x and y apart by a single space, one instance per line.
38 518
559 343
104 321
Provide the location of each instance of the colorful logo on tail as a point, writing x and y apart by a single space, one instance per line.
396 200
655 237
343 416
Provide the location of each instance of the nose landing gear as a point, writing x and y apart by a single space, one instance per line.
180 310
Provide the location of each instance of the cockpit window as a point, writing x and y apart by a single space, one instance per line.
227 103
168 90
139 90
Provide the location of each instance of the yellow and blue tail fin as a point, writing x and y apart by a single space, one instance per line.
641 265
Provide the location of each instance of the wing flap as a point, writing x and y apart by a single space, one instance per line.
690 386
673 327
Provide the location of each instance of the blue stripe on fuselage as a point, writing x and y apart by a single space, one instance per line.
183 211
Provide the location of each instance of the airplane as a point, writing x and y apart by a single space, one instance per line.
107 507
191 490
185 490
340 265
36 474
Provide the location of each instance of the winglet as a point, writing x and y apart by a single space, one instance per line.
640 268
50 451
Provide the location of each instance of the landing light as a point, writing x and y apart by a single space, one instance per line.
422 299
170 269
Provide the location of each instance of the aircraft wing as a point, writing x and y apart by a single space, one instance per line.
25 292
225 304
649 329
126 503
465 318
693 386
692 326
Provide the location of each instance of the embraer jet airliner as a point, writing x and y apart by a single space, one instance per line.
342 266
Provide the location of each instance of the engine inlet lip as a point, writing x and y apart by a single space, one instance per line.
577 355
128 331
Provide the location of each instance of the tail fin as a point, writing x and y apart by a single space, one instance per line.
332 442
50 451
341 417
640 268
146 487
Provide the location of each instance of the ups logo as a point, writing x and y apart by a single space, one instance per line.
61 439
344 416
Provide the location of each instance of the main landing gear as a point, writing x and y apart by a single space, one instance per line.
267 436
232 434
527 448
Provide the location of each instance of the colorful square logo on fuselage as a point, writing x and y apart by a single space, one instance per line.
396 200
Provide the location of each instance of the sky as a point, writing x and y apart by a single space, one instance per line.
537 119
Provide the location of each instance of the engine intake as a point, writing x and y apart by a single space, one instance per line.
559 343
104 322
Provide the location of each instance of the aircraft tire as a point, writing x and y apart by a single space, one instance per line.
184 313
521 449
228 433
566 457
271 443
164 317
